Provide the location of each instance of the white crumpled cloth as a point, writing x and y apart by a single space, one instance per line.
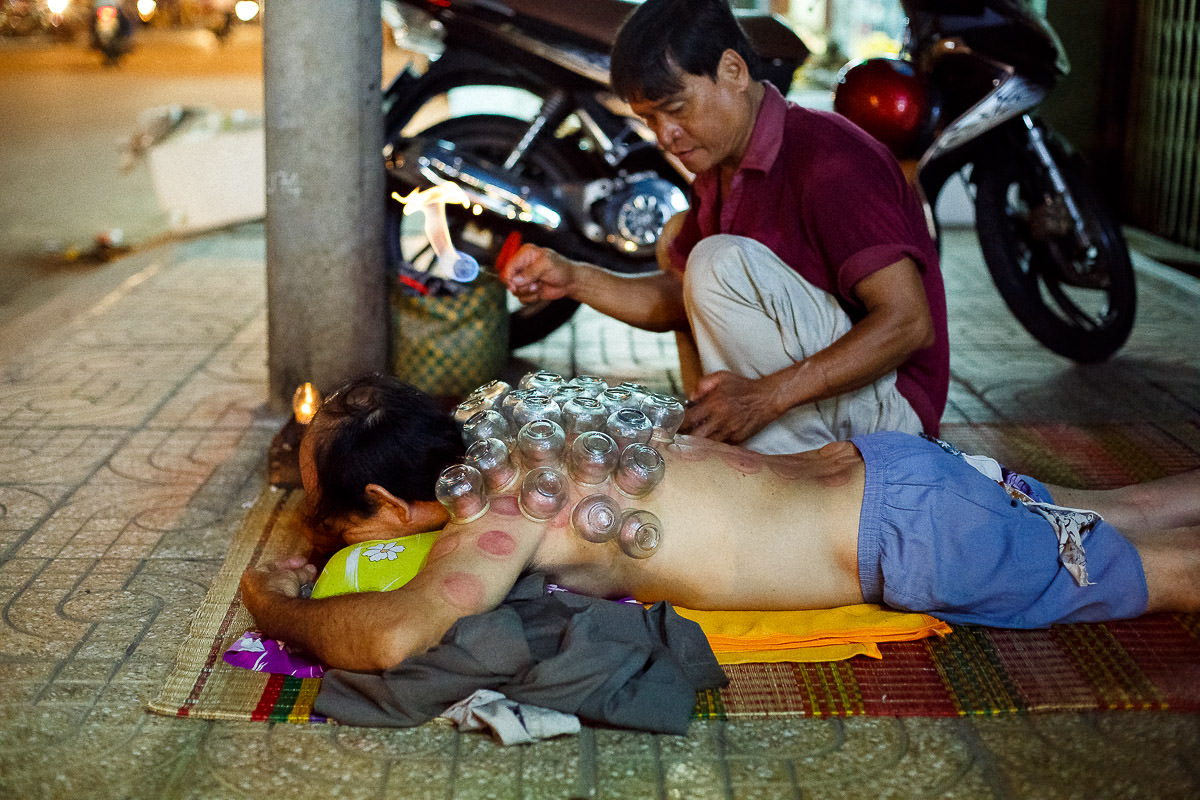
508 721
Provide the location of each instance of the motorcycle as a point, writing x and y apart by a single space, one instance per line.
961 99
111 32
510 100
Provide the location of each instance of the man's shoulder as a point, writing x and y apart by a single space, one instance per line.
822 127
823 144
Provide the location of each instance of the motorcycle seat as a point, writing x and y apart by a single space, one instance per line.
599 25
772 39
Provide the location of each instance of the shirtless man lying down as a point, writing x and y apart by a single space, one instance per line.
887 518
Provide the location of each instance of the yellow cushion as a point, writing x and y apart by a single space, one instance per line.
375 566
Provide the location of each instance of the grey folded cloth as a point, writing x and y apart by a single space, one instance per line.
612 663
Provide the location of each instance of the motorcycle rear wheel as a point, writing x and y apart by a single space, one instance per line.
1087 318
488 138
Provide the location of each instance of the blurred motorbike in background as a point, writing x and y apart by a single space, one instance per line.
961 99
111 32
510 100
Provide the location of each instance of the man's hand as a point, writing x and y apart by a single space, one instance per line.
729 408
534 274
651 302
262 588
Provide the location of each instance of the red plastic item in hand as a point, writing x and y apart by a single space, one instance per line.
510 247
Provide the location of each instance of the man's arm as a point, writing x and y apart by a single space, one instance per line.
731 408
467 572
651 302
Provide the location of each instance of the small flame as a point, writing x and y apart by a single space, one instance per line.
416 200
432 202
305 403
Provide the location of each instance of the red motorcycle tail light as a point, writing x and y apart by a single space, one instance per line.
884 97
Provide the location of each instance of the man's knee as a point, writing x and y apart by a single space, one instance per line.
746 273
722 264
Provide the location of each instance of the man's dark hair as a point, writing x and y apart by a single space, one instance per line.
378 429
663 38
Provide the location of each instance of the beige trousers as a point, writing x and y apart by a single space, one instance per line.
751 314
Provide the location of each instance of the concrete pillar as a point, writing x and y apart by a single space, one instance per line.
327 311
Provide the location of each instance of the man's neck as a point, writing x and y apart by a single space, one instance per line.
728 168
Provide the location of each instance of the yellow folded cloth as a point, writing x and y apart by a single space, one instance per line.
739 637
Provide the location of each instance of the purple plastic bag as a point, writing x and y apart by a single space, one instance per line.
253 652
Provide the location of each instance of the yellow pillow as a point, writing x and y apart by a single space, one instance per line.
375 566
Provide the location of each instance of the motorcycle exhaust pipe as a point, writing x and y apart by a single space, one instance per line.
425 164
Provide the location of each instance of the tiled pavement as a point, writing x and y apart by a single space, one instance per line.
133 439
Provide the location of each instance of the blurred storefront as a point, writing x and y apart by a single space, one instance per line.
845 29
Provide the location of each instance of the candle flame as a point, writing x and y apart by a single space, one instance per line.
305 403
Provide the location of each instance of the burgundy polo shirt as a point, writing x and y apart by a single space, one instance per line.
833 204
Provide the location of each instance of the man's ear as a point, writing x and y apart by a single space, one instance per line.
407 517
387 503
733 67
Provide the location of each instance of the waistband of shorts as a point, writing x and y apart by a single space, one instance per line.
874 450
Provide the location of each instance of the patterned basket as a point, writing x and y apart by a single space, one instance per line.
448 346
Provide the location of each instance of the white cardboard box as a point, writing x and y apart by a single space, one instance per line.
210 172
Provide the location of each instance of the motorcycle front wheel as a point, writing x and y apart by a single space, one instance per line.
487 138
1076 298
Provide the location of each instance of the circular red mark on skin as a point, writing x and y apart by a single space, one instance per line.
563 518
788 469
443 547
506 506
743 463
839 478
688 452
842 458
463 590
497 544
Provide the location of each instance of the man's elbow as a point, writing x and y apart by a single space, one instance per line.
388 651
914 328
921 333
384 658
391 644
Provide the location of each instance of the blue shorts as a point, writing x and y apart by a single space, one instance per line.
939 537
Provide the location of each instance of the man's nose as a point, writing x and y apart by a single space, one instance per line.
666 133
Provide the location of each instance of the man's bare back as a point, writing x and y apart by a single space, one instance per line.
740 531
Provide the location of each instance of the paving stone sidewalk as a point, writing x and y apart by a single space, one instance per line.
133 439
